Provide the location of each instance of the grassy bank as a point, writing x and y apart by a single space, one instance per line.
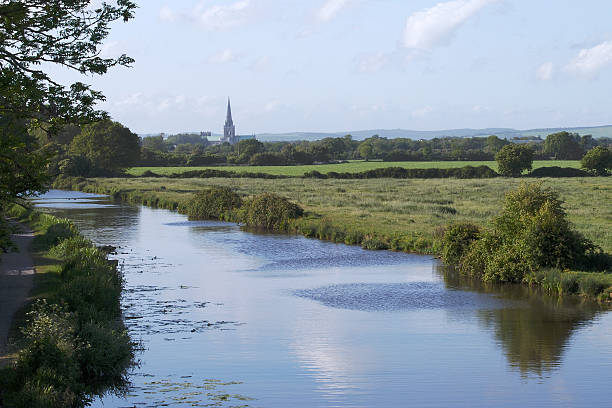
350 167
72 345
402 215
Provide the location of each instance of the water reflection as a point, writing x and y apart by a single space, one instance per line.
533 333
305 323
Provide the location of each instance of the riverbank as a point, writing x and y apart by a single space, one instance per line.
71 344
401 215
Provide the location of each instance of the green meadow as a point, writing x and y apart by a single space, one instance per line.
406 211
350 167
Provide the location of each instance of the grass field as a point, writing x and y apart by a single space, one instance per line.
351 167
408 210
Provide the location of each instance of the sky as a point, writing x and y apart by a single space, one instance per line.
341 65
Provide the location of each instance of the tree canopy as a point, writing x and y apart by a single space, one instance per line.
598 159
563 146
513 159
35 34
108 145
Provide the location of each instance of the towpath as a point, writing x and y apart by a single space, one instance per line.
16 279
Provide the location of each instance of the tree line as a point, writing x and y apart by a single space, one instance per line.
105 148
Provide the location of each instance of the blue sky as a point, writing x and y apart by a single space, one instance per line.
336 65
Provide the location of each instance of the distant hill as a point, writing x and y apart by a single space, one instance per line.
598 131
508 133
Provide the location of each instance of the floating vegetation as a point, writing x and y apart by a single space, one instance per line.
204 393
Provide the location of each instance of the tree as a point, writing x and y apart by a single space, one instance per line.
563 146
109 146
36 34
155 143
598 159
513 159
494 144
366 150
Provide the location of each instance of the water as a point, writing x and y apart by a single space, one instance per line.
231 318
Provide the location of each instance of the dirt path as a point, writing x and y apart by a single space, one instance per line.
16 278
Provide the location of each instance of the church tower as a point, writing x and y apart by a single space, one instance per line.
229 130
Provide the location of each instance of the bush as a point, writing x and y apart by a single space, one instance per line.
474 261
558 172
509 263
69 247
47 371
268 159
513 159
216 203
269 211
457 240
598 159
531 233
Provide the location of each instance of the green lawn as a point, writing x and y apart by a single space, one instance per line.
351 167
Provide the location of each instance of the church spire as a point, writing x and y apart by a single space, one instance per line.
228 119
229 130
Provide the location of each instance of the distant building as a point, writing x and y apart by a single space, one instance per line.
229 131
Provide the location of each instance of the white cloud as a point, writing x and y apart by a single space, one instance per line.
213 18
369 63
130 100
430 27
166 14
222 17
424 111
330 9
223 57
590 61
545 71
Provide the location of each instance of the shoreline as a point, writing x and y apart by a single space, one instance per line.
321 229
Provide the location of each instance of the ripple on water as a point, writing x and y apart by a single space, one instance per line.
397 296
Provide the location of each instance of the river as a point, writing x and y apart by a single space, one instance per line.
231 318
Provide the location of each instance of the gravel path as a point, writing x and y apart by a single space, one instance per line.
16 278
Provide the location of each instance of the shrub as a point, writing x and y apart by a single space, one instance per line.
104 354
268 159
216 203
558 172
269 211
532 232
535 216
598 159
457 240
69 247
513 159
508 263
46 373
